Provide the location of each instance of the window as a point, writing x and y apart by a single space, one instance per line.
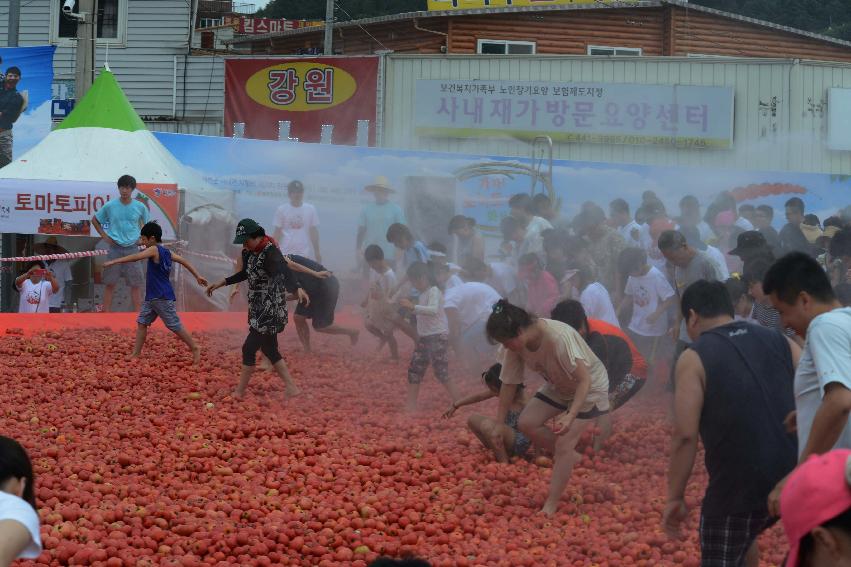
603 50
505 47
212 22
111 25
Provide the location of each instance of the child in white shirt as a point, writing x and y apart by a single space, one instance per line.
380 312
433 335
651 295
36 287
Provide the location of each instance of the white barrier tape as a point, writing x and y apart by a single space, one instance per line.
76 255
222 259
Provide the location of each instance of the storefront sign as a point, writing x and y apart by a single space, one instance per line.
308 92
254 26
597 113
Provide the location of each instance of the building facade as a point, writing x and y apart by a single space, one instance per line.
147 45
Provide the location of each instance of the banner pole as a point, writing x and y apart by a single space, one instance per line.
14 23
329 28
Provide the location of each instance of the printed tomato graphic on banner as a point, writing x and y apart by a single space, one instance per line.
300 87
306 92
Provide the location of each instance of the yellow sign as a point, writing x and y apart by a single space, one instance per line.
474 4
300 87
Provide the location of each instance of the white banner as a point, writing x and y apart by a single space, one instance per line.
66 207
599 113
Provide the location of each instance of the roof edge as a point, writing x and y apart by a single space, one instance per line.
685 4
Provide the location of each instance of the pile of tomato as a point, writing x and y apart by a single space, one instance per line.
152 462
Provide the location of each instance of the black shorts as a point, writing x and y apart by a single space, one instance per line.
590 414
322 304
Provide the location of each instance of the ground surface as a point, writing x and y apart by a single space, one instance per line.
153 463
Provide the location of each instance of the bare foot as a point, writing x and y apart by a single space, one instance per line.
196 356
292 391
239 394
131 357
354 337
549 509
411 409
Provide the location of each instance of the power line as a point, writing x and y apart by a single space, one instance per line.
363 29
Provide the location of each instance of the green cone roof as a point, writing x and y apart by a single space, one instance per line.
104 106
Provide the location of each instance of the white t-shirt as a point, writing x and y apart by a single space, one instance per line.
473 300
35 298
826 358
19 510
503 278
633 235
296 222
453 282
720 262
385 283
598 305
62 272
431 318
536 226
647 292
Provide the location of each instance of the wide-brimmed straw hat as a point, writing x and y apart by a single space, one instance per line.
381 184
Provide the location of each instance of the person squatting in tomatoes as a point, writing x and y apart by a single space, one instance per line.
625 366
504 439
576 389
269 279
432 346
159 294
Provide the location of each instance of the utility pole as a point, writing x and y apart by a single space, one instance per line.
329 28
86 31
14 21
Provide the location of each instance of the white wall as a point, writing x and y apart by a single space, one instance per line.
794 139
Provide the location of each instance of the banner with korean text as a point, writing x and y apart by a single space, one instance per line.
66 207
596 113
307 92
257 26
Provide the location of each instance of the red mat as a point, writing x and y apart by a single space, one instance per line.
193 321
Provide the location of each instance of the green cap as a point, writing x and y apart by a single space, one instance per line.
244 229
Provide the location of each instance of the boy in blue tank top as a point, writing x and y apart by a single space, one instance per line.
159 295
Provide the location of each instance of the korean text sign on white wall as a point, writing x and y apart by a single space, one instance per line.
598 113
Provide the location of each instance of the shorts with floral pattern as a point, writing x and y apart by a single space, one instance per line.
432 349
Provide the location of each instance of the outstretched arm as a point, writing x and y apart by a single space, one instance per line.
296 267
185 263
468 401
144 254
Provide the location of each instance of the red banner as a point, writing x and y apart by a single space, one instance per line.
309 92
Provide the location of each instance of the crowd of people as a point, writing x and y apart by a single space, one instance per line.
744 324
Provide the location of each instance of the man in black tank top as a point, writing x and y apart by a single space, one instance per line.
733 389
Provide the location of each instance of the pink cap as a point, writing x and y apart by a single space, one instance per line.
725 218
817 491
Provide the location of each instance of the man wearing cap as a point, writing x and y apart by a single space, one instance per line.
733 389
816 504
750 245
297 225
376 218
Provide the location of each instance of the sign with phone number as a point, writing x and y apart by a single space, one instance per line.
674 115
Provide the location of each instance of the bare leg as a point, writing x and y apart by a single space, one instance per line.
303 332
291 390
391 343
605 423
452 389
244 378
533 424
498 439
752 557
563 462
187 338
353 334
135 297
108 292
141 335
413 394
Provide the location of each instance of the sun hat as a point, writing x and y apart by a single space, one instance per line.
816 492
381 183
749 241
244 229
